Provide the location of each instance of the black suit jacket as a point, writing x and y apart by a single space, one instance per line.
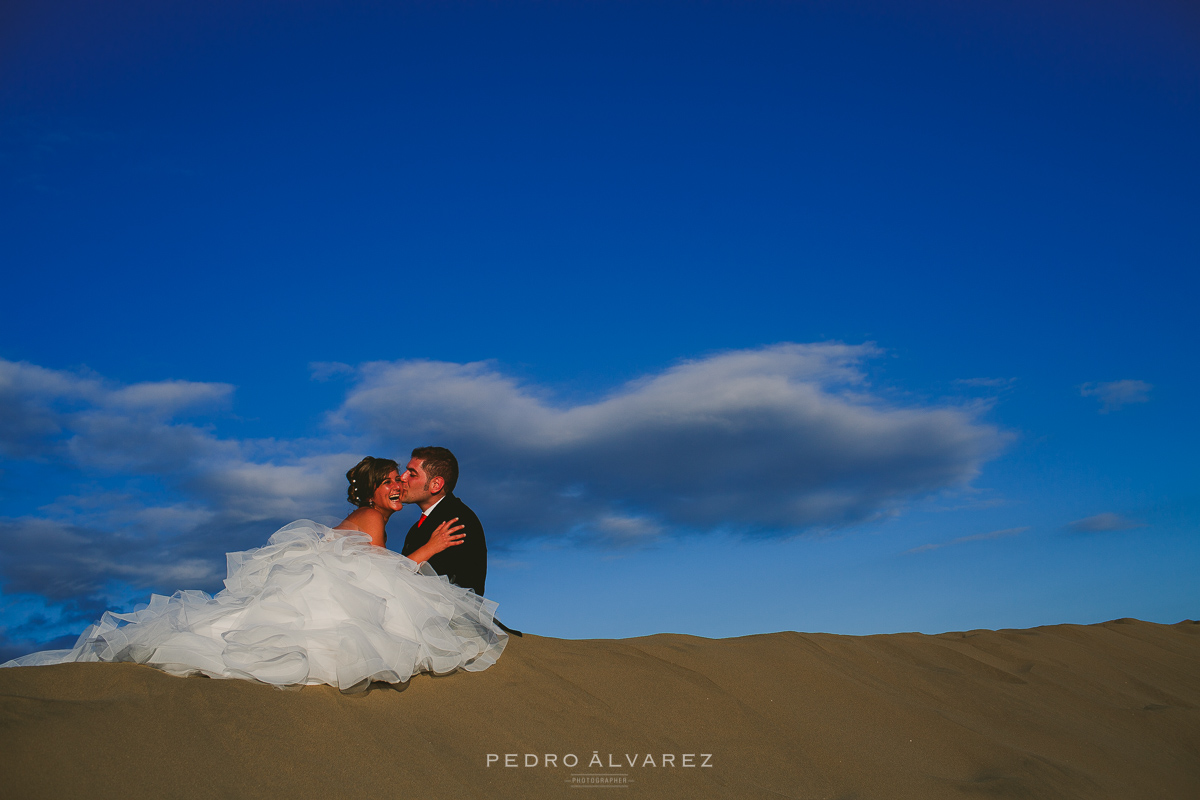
464 564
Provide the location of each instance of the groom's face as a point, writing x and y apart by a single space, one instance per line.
415 482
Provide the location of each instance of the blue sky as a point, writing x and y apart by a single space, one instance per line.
854 317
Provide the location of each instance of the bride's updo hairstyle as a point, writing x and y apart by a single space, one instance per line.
365 477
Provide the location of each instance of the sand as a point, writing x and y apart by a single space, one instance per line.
1066 711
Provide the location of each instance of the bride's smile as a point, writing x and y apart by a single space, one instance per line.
390 494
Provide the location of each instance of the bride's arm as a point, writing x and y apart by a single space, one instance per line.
443 536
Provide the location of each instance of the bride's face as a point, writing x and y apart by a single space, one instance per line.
389 493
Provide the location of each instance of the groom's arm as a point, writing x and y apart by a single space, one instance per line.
466 564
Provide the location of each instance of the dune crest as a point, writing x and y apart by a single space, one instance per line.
1065 711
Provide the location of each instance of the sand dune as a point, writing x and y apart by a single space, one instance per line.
1099 711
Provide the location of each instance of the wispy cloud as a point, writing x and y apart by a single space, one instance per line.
1107 521
978 537
328 370
986 383
1117 394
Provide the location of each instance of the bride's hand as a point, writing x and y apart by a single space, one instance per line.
445 536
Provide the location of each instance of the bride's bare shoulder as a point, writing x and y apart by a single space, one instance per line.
366 520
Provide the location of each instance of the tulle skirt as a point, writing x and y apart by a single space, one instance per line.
315 605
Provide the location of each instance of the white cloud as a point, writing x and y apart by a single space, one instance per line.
134 430
203 496
43 410
72 568
772 440
250 490
1107 521
28 396
1116 394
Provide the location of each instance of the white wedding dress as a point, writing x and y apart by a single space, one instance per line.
315 605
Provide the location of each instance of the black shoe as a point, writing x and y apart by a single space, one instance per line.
507 629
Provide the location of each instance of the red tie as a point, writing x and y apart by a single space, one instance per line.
421 520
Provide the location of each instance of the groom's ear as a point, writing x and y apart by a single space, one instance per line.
436 484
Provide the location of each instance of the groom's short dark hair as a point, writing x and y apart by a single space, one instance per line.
439 463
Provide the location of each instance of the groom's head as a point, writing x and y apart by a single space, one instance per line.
430 475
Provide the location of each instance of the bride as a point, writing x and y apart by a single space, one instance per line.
314 605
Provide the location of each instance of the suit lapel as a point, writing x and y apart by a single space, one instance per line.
441 513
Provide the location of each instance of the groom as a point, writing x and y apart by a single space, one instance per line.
429 481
